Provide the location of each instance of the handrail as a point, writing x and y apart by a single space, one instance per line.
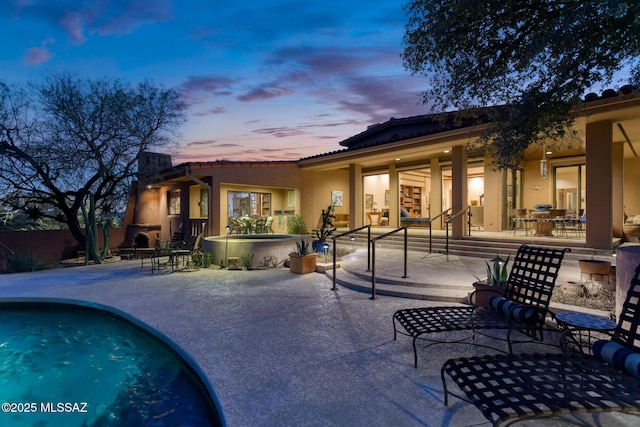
373 257
448 221
430 228
346 233
441 214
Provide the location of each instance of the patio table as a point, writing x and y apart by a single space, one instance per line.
543 226
573 321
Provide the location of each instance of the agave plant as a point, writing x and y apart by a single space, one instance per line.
303 247
497 274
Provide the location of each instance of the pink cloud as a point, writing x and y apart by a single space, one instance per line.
36 56
72 22
264 92
108 18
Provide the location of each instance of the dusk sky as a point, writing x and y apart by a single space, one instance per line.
265 80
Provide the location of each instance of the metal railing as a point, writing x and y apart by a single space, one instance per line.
346 233
373 257
440 215
448 221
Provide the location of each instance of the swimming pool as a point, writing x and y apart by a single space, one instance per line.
74 363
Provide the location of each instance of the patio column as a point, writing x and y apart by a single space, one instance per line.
394 196
599 165
494 197
459 190
356 211
435 199
217 220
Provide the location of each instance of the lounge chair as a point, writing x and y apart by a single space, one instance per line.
535 386
523 308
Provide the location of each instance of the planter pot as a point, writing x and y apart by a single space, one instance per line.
594 266
318 246
302 264
573 289
483 292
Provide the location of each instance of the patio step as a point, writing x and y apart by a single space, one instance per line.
482 247
396 288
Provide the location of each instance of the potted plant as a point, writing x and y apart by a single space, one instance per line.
493 284
326 229
303 259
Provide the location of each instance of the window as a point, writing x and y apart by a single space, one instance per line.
173 198
204 202
245 204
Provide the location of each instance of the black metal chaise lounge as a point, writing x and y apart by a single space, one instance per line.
508 389
523 307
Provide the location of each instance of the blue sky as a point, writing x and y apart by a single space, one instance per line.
265 80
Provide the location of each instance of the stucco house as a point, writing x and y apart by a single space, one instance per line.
413 167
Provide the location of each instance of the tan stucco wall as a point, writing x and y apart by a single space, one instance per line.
194 199
531 178
494 198
145 210
320 186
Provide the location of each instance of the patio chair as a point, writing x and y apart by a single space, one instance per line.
534 386
523 308
177 240
162 250
268 226
520 220
238 226
260 225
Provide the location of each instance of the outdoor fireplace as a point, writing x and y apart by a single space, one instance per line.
141 240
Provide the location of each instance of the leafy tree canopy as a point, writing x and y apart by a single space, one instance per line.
535 59
65 139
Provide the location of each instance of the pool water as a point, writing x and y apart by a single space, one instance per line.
69 365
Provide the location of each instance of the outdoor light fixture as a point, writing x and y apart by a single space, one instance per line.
325 249
543 164
226 245
353 244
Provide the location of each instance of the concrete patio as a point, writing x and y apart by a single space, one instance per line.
281 349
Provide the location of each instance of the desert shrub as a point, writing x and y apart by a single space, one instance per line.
246 261
296 224
20 262
205 260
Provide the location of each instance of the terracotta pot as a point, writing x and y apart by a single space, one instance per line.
594 266
484 292
572 289
302 264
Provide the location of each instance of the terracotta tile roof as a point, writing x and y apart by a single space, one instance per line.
423 125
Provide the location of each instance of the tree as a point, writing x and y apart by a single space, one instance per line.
535 59
68 142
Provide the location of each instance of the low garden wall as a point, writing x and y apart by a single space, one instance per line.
51 245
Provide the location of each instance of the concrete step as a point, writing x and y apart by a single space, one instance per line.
394 288
482 247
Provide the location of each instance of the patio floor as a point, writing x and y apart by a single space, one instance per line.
280 349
